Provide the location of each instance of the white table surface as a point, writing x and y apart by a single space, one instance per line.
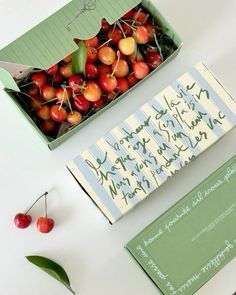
83 242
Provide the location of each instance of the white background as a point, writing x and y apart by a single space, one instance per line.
90 249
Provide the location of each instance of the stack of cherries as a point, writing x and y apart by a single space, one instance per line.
116 59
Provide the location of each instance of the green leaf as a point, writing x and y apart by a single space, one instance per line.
51 268
79 59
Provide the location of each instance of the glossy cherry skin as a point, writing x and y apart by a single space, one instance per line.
66 70
98 104
139 17
140 69
52 70
81 104
127 45
141 35
108 82
92 54
63 95
48 92
120 68
45 224
107 55
39 79
91 71
58 113
122 85
74 118
93 91
104 69
43 112
154 59
22 220
92 42
75 82
115 35
128 14
105 25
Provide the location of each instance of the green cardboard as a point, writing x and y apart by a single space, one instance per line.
51 40
46 53
186 246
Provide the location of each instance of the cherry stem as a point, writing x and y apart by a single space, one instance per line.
104 43
36 202
45 204
27 84
121 28
118 59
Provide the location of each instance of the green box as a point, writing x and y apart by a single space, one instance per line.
51 40
193 240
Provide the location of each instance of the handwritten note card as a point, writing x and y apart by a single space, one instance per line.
133 159
188 244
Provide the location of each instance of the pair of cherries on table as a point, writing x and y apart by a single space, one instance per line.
43 223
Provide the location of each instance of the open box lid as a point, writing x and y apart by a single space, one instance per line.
52 39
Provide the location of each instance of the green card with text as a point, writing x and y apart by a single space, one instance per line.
187 245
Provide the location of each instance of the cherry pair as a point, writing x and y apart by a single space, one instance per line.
44 224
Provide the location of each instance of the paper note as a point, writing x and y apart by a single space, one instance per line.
193 240
133 159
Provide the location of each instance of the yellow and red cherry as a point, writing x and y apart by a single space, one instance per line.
132 80
22 220
122 85
120 68
151 30
68 58
127 46
92 42
115 35
75 82
141 35
74 117
52 70
91 71
48 126
63 94
108 82
43 112
92 92
127 30
98 104
45 224
81 104
66 70
48 92
58 113
104 69
140 69
107 55
92 54
140 17
154 59
32 90
105 25
39 79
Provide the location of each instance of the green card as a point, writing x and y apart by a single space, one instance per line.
181 250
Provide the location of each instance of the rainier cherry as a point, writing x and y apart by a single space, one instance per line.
141 35
92 54
52 70
48 92
45 224
104 69
120 68
58 113
122 85
74 118
92 92
39 79
151 30
108 82
81 103
75 82
43 112
66 70
91 71
63 94
140 69
115 35
48 126
107 55
127 46
23 220
68 58
93 42
140 17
